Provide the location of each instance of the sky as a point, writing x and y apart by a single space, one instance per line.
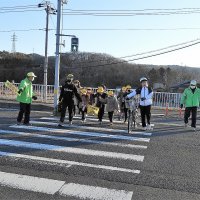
116 43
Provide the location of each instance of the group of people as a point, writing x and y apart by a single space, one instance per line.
73 96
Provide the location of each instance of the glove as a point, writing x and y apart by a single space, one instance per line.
127 98
181 106
20 91
143 98
34 98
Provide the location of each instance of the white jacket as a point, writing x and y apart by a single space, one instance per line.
144 92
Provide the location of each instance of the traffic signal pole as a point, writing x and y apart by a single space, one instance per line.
57 61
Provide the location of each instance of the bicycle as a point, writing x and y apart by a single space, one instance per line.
132 107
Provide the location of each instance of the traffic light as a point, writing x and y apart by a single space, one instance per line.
74 44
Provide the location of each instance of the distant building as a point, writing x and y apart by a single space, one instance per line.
159 87
179 88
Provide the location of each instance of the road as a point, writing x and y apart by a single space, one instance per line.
92 161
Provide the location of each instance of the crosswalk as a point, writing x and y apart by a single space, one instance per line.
83 149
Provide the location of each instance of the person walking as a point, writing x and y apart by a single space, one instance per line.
85 102
24 97
68 91
146 100
100 98
191 98
111 106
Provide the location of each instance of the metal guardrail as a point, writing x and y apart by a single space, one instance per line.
160 99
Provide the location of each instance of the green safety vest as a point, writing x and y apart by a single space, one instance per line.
27 91
190 99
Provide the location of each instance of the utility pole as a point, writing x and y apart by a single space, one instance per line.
57 62
49 10
13 39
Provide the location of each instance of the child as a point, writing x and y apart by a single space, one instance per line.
100 102
121 101
83 105
128 91
112 105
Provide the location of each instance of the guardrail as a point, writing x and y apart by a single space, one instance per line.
160 99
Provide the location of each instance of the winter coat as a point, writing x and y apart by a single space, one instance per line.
27 91
144 92
100 99
112 104
85 101
190 99
68 91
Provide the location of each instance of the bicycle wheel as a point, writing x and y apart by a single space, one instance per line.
130 121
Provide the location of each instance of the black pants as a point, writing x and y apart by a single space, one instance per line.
145 113
110 116
83 112
63 111
125 114
188 110
24 108
101 113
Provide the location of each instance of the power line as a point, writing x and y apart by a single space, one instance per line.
105 29
143 53
144 57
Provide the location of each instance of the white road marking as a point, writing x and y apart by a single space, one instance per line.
73 139
30 183
65 163
94 193
91 134
72 150
86 127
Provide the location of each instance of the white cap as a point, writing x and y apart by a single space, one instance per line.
143 79
193 82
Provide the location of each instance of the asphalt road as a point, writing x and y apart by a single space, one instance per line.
92 161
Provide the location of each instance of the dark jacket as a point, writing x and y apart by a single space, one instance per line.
100 99
67 93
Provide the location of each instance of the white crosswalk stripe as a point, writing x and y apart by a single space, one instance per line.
50 186
103 146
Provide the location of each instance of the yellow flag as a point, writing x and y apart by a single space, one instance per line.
11 86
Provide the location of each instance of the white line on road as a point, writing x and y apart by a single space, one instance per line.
86 127
30 183
94 193
73 139
65 163
87 152
91 134
50 186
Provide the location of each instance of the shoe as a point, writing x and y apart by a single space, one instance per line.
186 125
83 121
19 123
27 124
100 122
111 123
148 127
193 128
70 122
144 128
61 124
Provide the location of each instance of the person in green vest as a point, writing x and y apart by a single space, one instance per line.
24 97
191 99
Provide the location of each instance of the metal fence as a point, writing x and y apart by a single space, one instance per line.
160 99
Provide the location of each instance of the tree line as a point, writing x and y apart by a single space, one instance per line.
92 69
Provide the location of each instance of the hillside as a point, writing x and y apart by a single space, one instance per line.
92 69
